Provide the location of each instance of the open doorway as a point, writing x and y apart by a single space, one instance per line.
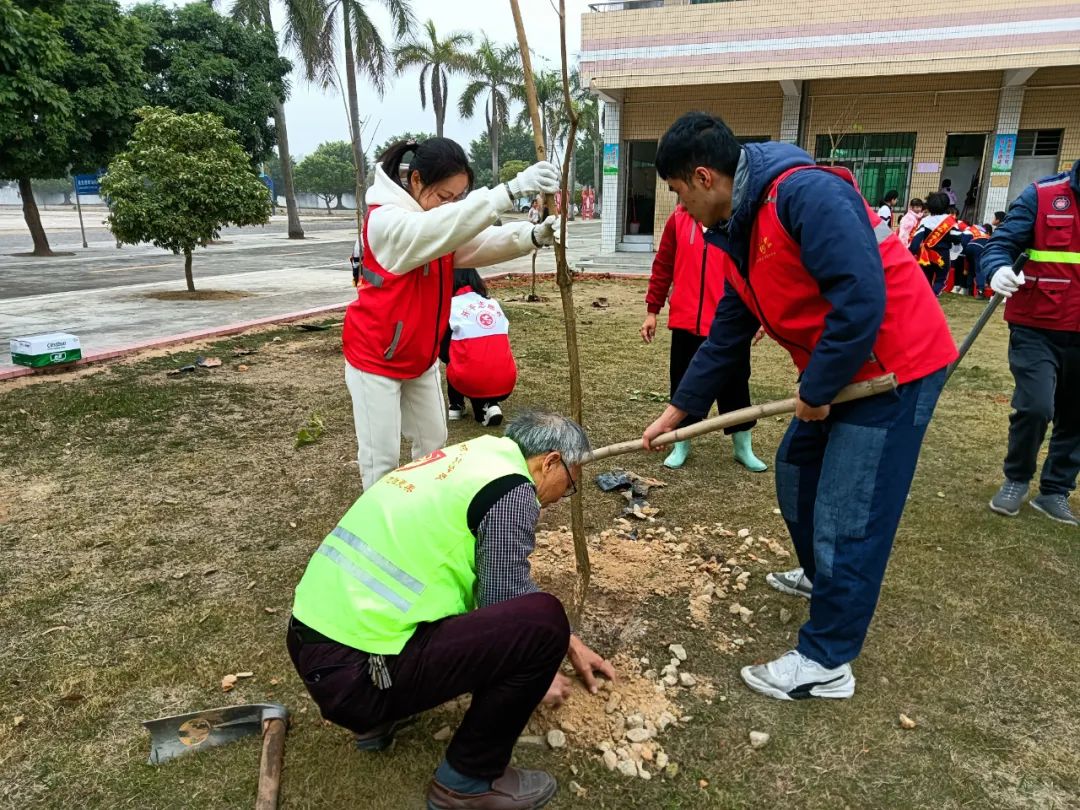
963 168
640 193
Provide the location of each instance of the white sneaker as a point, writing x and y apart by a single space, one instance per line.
793 676
793 582
454 413
492 415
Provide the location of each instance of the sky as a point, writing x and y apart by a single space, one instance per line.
315 116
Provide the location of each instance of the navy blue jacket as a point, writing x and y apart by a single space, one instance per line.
1013 236
827 218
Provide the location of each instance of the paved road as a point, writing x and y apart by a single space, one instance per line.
101 293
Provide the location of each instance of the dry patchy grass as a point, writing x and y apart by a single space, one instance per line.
152 530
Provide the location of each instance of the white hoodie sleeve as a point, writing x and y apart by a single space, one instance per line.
402 240
498 243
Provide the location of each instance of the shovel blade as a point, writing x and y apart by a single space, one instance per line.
183 734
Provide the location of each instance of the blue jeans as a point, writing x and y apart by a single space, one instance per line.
842 485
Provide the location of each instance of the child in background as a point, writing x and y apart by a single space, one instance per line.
693 273
354 260
476 350
936 240
885 207
910 221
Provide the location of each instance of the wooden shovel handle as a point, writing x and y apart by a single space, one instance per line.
273 752
859 390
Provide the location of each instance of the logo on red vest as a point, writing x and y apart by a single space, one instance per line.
1062 203
486 320
765 248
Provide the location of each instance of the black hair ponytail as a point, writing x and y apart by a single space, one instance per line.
468 277
435 159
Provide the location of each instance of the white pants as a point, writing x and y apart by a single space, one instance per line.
384 408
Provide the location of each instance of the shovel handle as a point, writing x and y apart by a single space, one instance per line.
859 390
273 752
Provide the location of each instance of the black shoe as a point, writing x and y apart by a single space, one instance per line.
382 736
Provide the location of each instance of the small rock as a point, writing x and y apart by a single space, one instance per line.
650 675
758 739
664 720
610 760
785 615
576 789
686 679
634 721
735 608
227 683
605 745
674 662
743 533
556 738
647 753
907 722
941 494
679 651
671 680
776 511
637 735
746 614
627 767
18 720
568 727
703 783
644 774
442 735
245 674
530 739
661 760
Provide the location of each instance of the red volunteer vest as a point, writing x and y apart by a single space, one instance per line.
698 283
396 323
1050 297
481 362
914 338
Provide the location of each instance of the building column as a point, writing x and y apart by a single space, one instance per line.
789 119
611 216
1010 104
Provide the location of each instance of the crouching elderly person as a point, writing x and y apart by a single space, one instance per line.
423 592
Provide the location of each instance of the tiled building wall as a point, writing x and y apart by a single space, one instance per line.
1052 101
749 109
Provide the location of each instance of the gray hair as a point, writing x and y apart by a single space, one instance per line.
539 432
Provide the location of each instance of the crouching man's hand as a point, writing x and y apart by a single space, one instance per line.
587 664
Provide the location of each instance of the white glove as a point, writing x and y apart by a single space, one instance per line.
541 177
1005 282
546 233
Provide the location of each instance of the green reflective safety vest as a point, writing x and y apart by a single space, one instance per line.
403 553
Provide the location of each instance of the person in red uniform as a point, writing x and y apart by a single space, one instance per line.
1043 312
831 282
418 228
685 259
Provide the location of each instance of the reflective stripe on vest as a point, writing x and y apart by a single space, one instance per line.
383 564
363 576
882 231
1056 256
371 277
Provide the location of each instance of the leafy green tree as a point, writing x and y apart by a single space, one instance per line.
436 59
510 170
515 143
327 172
182 178
404 136
497 77
200 61
70 77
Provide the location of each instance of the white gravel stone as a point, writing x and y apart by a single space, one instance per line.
679 651
610 760
556 738
627 767
758 739
686 679
671 680
638 735
634 721
661 760
443 734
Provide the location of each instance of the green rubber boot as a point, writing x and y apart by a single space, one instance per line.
677 457
744 452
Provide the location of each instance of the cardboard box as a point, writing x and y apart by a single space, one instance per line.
38 351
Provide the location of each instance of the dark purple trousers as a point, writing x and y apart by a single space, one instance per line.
506 655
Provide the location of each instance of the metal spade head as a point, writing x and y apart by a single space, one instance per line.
181 734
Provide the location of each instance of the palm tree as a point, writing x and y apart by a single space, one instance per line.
496 72
299 15
553 120
437 58
365 52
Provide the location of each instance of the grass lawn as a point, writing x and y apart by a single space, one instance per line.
152 529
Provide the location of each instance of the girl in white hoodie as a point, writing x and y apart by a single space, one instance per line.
421 223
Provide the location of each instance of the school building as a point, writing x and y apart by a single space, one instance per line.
985 94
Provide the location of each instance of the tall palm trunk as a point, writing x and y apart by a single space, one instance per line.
354 120
33 218
493 138
437 100
296 230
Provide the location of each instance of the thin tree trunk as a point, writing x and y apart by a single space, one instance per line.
326 200
437 99
296 230
33 218
354 120
563 277
187 271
